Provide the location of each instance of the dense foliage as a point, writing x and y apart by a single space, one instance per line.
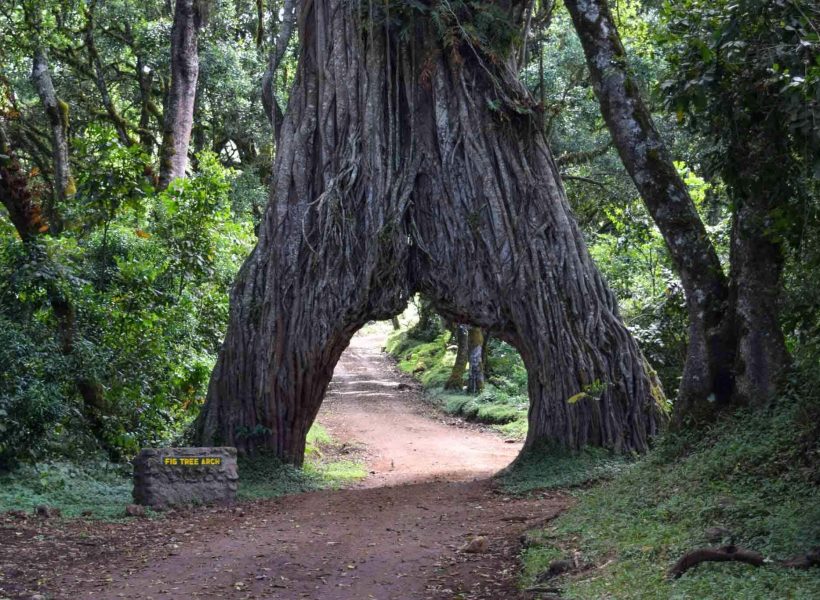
143 272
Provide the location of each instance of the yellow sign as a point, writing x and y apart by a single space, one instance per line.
195 461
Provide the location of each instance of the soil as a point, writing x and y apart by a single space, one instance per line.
399 534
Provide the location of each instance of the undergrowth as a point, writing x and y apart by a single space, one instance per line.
105 489
502 403
754 474
99 487
548 467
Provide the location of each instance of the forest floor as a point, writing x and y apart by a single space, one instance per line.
400 533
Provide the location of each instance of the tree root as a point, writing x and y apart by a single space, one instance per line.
738 554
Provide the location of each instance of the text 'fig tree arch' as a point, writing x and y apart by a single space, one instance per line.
411 159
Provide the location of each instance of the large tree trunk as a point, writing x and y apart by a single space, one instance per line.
757 265
411 163
707 380
179 111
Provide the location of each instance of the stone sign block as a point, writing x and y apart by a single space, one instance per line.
174 476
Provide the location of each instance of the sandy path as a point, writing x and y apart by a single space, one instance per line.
385 540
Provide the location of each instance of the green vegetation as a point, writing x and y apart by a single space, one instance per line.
754 474
100 487
503 401
266 477
105 489
553 468
147 287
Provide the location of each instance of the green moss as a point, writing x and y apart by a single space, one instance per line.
65 111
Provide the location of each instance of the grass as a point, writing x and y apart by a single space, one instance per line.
754 474
105 489
265 476
100 487
552 468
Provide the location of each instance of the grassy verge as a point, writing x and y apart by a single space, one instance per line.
557 468
100 487
105 489
503 402
755 475
266 477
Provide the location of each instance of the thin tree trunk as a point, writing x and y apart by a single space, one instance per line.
57 113
395 323
456 379
707 376
145 78
179 111
475 350
278 48
120 124
409 164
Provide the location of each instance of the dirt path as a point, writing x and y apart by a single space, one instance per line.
373 406
397 536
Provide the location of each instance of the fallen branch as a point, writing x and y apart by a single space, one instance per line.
722 554
804 561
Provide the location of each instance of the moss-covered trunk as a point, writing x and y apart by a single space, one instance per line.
456 379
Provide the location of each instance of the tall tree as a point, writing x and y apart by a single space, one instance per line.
178 115
412 159
707 377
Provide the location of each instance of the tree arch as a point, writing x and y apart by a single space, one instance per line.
412 159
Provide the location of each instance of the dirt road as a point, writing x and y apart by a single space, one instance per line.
373 406
400 535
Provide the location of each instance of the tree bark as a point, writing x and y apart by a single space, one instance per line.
179 111
707 380
410 164
756 268
475 351
456 379
23 207
57 113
